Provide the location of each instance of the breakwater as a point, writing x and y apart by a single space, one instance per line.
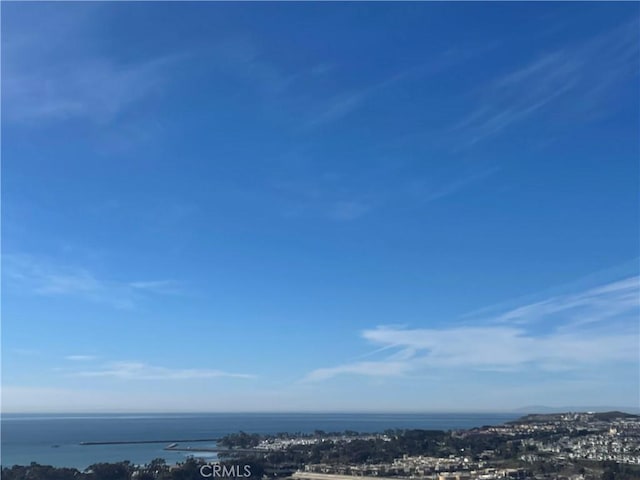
178 448
138 442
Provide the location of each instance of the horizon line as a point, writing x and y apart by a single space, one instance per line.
519 410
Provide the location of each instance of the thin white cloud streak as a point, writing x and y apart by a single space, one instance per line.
372 369
611 275
425 191
99 90
345 103
240 57
40 85
80 358
501 347
510 342
344 203
591 306
347 210
344 198
328 198
36 276
339 106
157 286
582 79
25 351
143 371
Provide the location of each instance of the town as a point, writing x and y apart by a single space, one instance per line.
567 446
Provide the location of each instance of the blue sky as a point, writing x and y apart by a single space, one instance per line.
325 206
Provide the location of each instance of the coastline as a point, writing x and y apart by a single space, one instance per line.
30 438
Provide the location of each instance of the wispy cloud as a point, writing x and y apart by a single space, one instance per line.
582 79
338 107
515 340
40 85
371 369
240 57
99 90
80 358
25 351
344 197
426 191
332 197
591 306
156 286
347 210
346 102
37 276
143 371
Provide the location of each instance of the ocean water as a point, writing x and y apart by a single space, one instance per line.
30 438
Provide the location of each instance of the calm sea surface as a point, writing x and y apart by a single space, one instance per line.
30 438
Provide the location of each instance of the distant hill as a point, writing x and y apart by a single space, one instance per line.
549 417
600 408
613 415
